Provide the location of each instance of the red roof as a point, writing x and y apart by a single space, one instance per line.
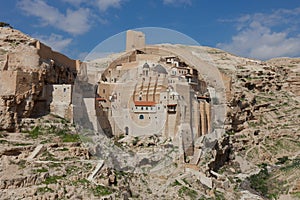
202 97
100 99
144 103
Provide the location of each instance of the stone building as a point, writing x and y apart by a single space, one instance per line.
151 91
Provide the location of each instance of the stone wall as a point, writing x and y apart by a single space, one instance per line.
46 53
8 82
61 100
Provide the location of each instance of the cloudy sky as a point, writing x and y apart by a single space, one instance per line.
252 28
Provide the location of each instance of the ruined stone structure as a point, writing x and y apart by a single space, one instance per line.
32 78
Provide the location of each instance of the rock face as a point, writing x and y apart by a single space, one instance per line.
31 77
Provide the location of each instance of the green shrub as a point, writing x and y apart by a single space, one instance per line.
282 160
102 190
52 179
35 132
187 192
44 190
259 181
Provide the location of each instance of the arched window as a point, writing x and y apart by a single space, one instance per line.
141 116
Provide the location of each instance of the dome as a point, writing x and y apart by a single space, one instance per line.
160 69
146 66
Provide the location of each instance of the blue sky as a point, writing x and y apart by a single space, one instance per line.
252 28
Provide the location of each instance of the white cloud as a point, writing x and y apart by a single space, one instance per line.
56 42
103 5
73 21
265 36
175 2
74 2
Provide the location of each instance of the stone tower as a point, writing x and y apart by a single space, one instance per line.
134 40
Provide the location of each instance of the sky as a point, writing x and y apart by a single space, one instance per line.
260 29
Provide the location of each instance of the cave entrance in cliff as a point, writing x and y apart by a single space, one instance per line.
126 130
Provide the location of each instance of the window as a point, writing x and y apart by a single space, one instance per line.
146 108
141 117
65 89
140 98
103 91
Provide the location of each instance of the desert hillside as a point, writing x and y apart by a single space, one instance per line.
44 157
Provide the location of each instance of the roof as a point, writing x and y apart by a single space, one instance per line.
146 66
144 103
160 69
100 99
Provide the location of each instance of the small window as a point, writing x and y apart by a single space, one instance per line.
142 108
65 89
103 91
146 108
141 117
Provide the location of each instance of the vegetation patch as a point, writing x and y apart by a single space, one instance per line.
185 191
219 195
52 179
41 170
265 184
102 191
43 190
35 132
293 164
